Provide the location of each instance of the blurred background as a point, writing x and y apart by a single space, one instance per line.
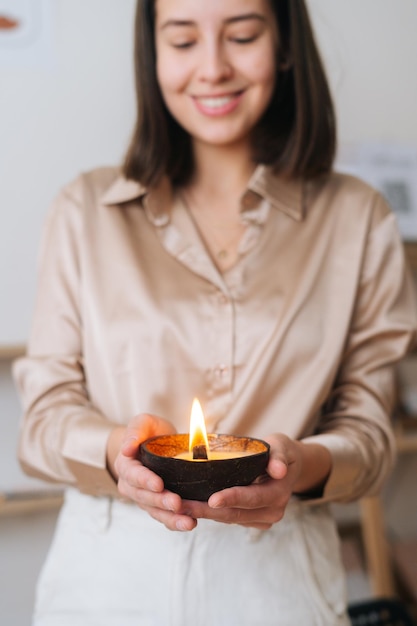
67 105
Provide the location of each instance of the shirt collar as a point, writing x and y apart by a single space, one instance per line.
282 194
155 200
122 190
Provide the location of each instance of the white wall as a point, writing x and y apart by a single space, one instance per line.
68 109
51 127
370 50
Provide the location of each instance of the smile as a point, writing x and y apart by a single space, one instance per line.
217 105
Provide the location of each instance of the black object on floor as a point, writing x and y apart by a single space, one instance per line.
380 612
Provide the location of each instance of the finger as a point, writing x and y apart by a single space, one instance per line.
280 456
255 496
252 498
172 521
138 476
196 509
165 500
130 446
245 517
277 467
142 427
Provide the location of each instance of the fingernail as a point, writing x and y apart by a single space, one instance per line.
216 504
130 441
181 525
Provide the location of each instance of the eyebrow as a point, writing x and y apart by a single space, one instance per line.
230 20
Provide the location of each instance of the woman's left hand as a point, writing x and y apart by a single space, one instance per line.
293 467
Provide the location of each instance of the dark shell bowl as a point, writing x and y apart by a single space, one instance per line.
198 480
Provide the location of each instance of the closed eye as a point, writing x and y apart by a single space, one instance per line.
183 45
243 40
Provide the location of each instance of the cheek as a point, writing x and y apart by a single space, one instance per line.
171 74
264 68
261 69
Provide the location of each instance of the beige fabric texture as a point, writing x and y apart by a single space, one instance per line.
298 337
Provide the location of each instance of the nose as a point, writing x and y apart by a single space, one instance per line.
214 66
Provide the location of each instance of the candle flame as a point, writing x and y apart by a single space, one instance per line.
198 433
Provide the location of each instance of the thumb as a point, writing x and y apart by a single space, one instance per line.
279 457
142 427
277 467
130 446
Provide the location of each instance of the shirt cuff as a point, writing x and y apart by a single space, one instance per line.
86 458
346 467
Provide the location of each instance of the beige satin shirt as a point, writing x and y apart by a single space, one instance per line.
298 337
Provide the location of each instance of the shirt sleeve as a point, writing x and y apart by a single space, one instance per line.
63 436
356 421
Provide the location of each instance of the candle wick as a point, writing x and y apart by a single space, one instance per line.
200 452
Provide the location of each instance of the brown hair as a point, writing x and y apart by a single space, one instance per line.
296 135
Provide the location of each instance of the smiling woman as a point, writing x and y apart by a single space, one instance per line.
297 131
216 69
225 261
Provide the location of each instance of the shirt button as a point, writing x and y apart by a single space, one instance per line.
221 370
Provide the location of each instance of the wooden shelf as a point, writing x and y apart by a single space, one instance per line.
405 429
11 351
411 253
29 502
405 560
377 548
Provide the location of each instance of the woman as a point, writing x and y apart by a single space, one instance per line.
225 261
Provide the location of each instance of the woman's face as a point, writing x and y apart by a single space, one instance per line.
216 65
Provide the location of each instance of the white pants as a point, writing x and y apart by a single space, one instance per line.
110 564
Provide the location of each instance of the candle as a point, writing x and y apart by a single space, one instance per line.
198 447
197 465
198 442
215 456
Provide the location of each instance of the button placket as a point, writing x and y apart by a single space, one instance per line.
221 371
223 346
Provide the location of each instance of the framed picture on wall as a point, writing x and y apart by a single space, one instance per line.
25 33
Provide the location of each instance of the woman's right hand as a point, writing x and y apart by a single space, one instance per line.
138 483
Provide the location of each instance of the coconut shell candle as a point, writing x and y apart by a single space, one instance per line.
197 465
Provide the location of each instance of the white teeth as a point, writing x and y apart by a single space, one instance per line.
215 103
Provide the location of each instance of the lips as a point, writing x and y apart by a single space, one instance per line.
218 105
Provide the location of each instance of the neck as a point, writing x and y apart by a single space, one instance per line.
213 199
221 171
